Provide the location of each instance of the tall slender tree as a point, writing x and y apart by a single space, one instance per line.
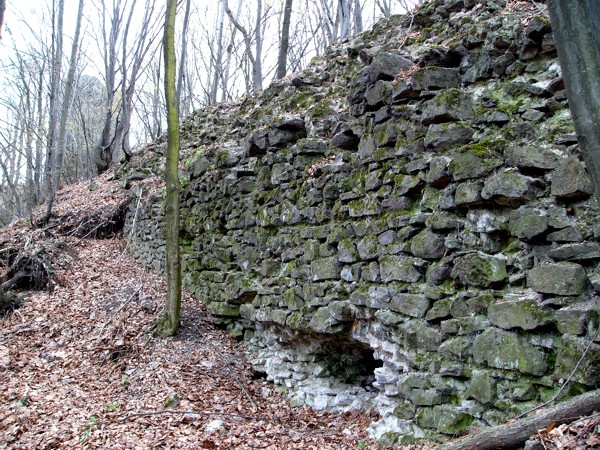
183 101
67 100
168 324
285 40
2 9
55 78
218 57
575 28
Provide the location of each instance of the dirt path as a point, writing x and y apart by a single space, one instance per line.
78 370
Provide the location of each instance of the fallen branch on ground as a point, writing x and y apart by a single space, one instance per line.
512 434
564 385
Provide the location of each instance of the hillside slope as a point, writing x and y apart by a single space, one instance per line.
78 368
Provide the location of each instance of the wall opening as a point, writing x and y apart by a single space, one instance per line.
351 363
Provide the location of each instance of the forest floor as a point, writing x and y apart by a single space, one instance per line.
79 367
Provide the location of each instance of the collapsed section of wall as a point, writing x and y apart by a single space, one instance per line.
426 247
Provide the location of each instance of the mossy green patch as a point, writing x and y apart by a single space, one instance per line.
485 148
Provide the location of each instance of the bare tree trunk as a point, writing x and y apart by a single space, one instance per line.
385 7
344 18
103 148
133 57
285 40
52 144
182 61
226 69
219 55
2 9
249 53
68 96
358 23
168 324
575 28
39 147
328 24
257 67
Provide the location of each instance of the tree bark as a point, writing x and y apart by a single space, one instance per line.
168 325
513 434
285 40
68 96
219 56
575 28
344 18
257 69
103 148
183 109
2 9
358 22
52 144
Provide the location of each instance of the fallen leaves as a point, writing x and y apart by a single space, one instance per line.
582 434
78 368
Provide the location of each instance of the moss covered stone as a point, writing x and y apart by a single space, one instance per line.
558 278
427 245
508 188
479 269
482 387
325 269
367 206
523 314
570 353
451 419
399 268
506 350
414 305
526 223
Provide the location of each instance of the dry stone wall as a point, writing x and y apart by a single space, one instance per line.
406 226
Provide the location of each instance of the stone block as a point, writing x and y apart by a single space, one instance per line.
523 314
400 268
571 354
526 223
481 387
537 156
465 325
571 180
449 106
575 319
414 305
479 269
325 269
579 251
366 206
451 420
506 350
347 252
419 335
508 188
368 247
427 245
441 137
562 278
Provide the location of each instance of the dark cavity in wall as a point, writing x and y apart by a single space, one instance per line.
351 363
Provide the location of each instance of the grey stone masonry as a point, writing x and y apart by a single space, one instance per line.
406 225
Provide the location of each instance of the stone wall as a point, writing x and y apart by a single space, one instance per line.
406 226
